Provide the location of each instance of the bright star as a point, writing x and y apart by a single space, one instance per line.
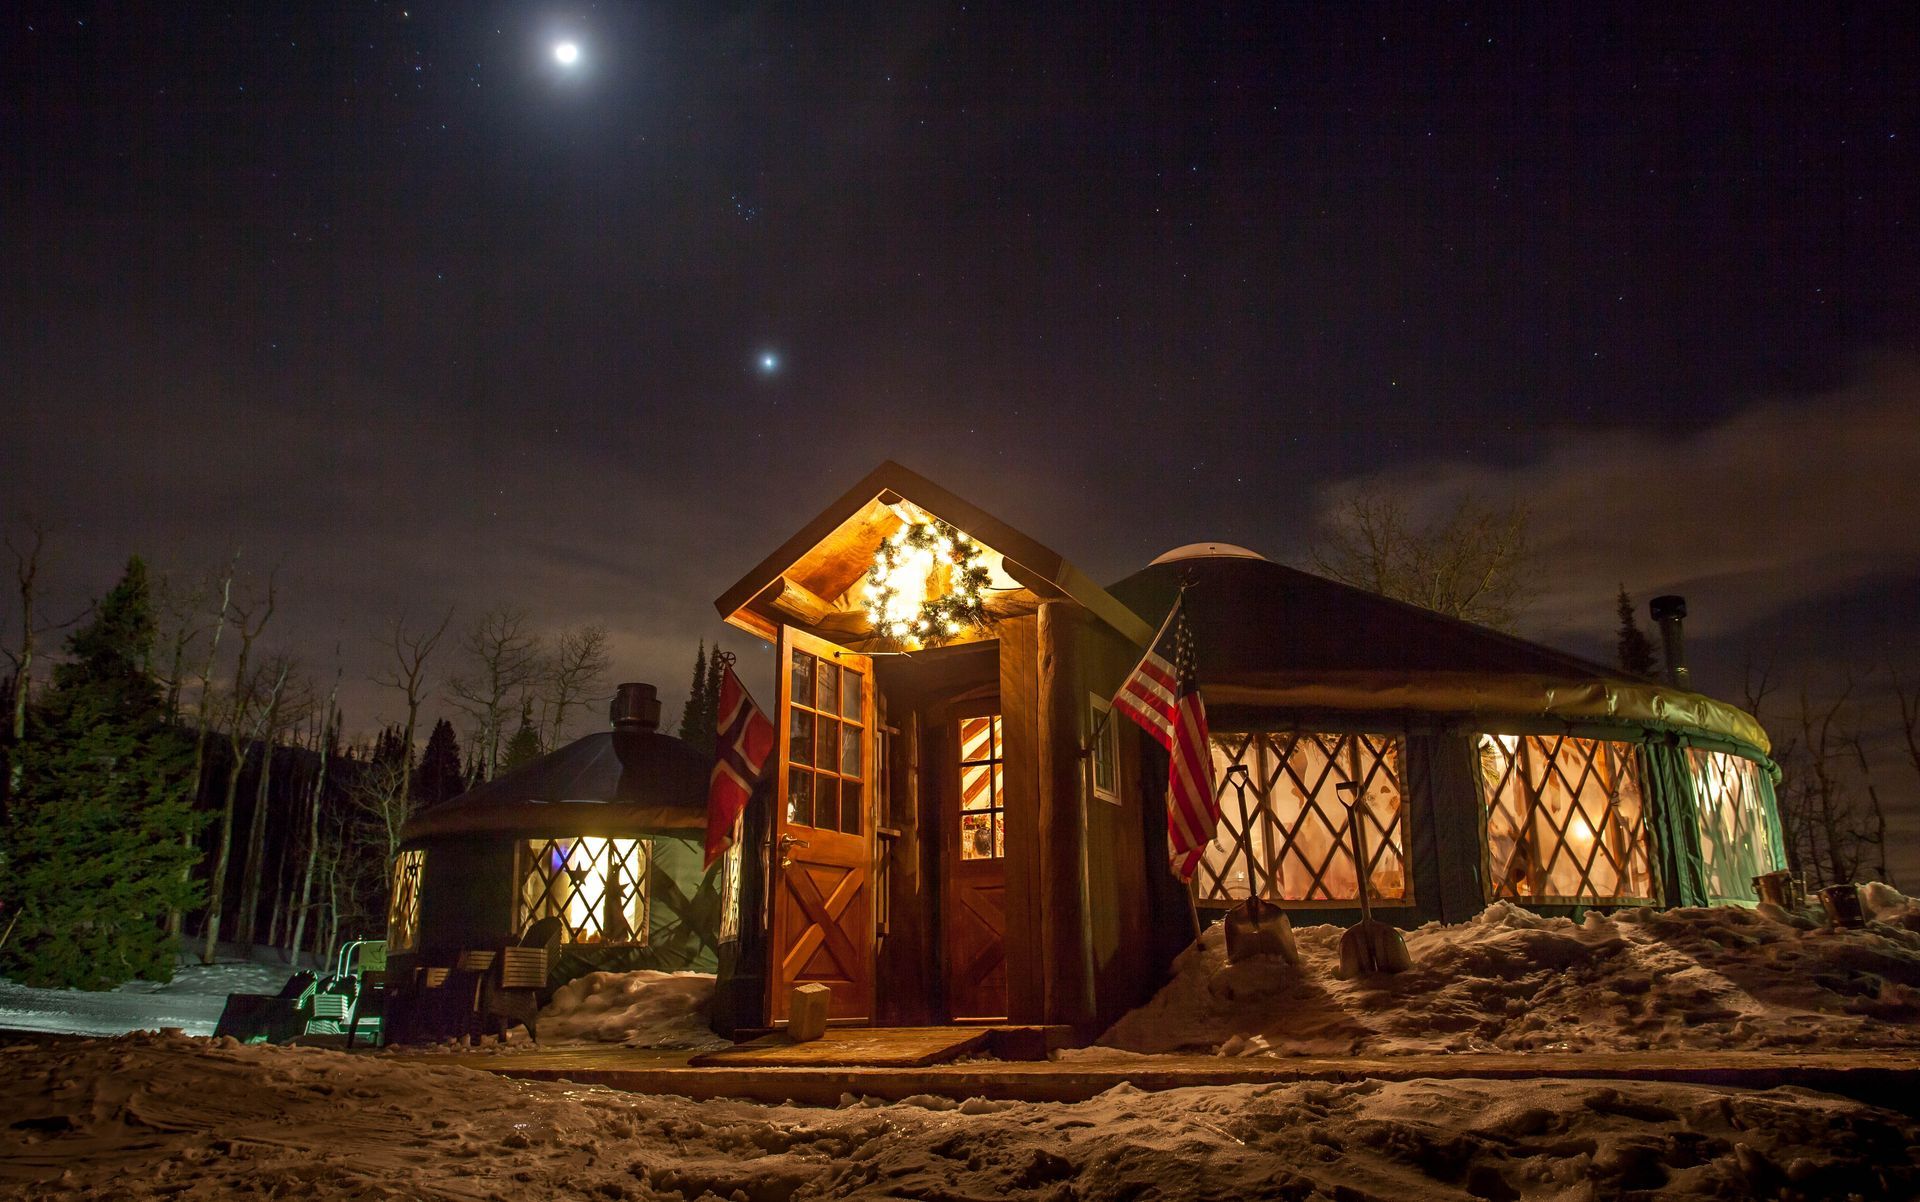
566 53
769 363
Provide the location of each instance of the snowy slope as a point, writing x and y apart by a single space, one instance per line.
1511 980
192 1001
148 1117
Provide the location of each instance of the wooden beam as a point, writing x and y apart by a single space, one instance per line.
1061 829
797 601
1019 726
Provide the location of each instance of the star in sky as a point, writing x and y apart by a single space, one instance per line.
768 362
566 53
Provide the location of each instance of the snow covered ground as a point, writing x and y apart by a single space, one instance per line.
146 1116
192 1001
1510 980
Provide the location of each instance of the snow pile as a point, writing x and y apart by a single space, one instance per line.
643 1009
1510 980
148 1117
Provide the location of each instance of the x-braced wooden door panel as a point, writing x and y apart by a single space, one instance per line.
822 851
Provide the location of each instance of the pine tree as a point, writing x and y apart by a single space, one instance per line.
524 747
694 715
100 830
1635 651
710 722
439 775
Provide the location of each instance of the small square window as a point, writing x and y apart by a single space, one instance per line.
1103 759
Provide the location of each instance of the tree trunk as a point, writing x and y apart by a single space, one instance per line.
176 918
216 883
319 796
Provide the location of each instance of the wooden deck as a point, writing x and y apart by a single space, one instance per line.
888 1047
1882 1078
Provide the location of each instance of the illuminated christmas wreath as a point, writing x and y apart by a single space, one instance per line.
906 601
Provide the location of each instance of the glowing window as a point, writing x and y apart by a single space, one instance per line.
1285 832
1564 820
596 887
403 904
1735 840
983 814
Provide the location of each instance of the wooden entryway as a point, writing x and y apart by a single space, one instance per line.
974 823
822 854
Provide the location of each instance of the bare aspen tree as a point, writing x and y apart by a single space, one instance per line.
407 674
503 658
1877 816
576 674
242 720
26 574
285 705
380 792
316 798
204 718
1472 564
1835 847
1909 702
180 615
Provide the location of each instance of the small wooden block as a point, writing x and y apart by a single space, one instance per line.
807 1012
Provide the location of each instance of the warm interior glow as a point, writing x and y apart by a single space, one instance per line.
1564 820
403 904
1285 833
597 887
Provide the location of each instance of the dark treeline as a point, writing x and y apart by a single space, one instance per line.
175 781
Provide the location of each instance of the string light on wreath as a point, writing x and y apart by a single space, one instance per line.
927 584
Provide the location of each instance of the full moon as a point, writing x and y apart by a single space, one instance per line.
566 53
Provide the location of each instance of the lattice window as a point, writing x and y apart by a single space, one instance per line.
1564 820
826 745
1285 832
1736 842
983 815
596 887
403 904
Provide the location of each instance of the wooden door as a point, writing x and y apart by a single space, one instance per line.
822 854
976 866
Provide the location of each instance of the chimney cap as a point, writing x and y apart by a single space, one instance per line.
635 707
1668 606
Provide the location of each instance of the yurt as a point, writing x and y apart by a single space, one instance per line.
1484 767
603 836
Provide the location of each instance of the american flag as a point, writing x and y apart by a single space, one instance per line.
1163 697
744 739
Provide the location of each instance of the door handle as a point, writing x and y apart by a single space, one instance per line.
787 843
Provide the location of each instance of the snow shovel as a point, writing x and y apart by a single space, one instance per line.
1369 946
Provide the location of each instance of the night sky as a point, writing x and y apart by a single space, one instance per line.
384 294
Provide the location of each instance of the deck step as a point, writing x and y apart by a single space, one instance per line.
889 1047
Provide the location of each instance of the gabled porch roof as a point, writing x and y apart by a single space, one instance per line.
810 580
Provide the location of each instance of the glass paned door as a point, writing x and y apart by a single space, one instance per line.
822 856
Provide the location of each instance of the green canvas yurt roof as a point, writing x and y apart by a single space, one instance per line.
1273 637
608 783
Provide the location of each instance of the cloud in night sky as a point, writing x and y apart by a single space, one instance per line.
1786 501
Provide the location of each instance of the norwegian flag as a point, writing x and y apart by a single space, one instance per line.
1163 697
743 740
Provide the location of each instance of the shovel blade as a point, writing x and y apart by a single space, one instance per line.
1371 946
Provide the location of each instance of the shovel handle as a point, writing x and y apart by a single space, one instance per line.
1356 811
